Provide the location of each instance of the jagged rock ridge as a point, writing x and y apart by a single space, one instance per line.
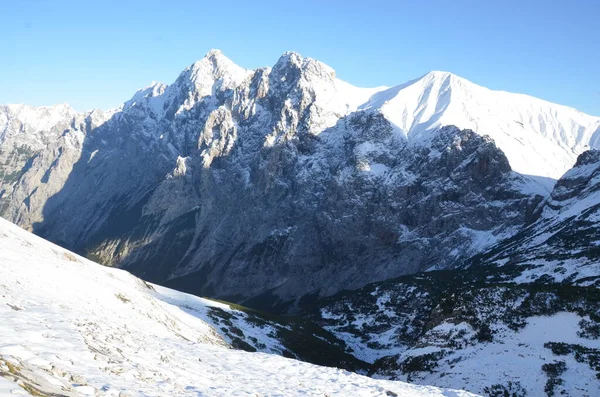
287 181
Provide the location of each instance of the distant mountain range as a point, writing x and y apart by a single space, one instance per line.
425 228
274 184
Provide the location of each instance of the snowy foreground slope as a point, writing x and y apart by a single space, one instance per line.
476 330
71 327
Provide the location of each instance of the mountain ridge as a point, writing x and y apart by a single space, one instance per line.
234 175
413 110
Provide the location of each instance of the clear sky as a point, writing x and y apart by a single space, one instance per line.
98 53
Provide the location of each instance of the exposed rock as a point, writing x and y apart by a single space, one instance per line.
271 185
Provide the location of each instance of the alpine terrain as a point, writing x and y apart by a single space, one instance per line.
521 318
73 328
266 186
435 232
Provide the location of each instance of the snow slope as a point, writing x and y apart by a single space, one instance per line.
538 137
71 327
473 330
515 354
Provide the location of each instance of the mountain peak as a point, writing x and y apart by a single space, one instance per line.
293 65
448 79
202 75
53 113
438 74
216 63
292 56
155 89
215 52
538 137
218 59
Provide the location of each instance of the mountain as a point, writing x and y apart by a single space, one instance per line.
562 246
528 305
277 186
435 232
539 138
73 328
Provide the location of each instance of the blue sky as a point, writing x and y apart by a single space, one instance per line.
98 53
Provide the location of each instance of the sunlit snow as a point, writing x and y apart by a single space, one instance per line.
72 327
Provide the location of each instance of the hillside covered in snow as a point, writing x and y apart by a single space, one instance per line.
477 329
71 327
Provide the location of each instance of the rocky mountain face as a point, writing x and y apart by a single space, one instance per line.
283 183
562 246
529 304
339 225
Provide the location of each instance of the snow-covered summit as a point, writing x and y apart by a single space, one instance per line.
73 328
214 67
538 137
308 66
155 89
35 118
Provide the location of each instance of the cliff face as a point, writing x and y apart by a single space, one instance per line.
562 245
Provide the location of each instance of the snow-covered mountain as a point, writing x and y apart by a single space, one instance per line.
73 328
539 138
269 185
280 186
